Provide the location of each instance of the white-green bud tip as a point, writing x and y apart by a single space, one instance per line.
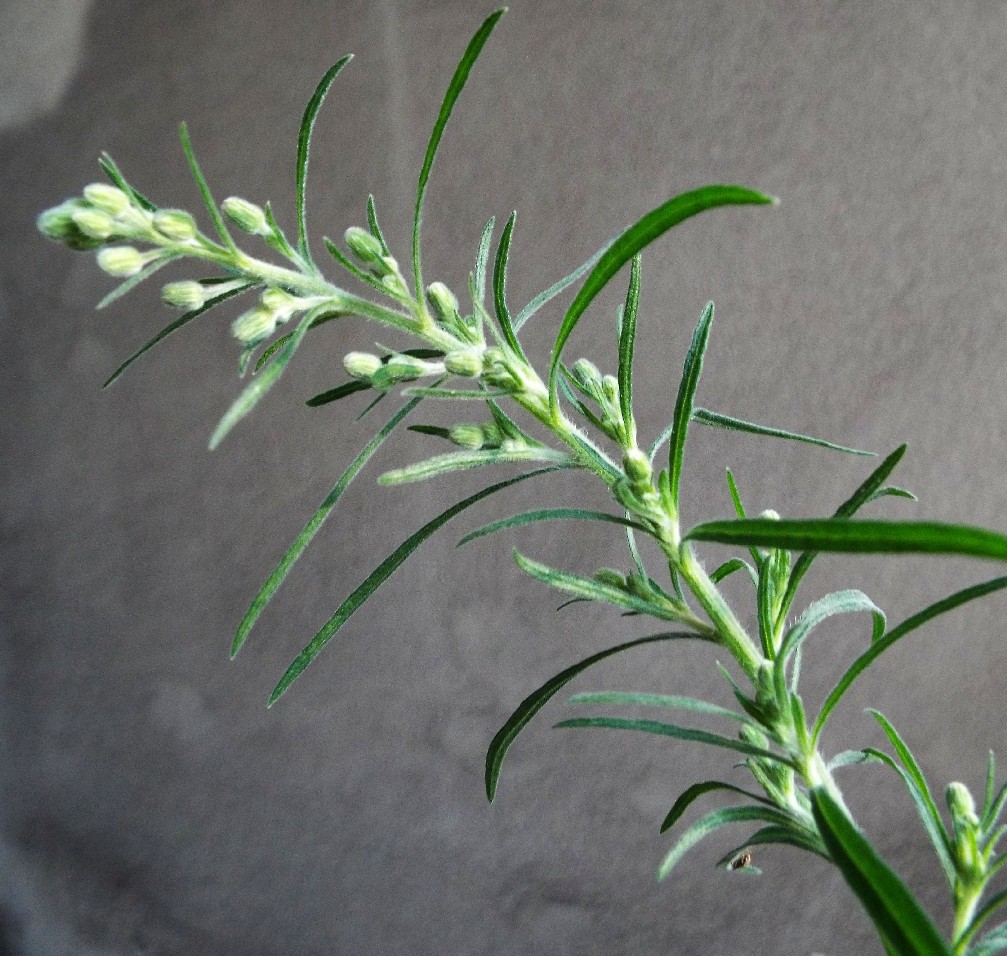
185 295
175 224
770 515
107 198
120 260
361 364
636 465
93 222
246 215
586 373
254 325
442 300
465 364
960 803
610 388
364 246
467 436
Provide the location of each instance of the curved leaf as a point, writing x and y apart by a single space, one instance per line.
116 177
340 391
204 189
672 701
697 790
463 460
839 602
706 417
789 836
500 288
635 238
548 514
554 290
134 280
627 343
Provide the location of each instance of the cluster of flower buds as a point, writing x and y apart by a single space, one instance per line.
104 215
370 252
275 306
383 373
635 490
444 306
604 390
489 435
968 834
505 371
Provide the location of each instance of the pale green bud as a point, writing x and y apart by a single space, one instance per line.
586 374
465 364
636 465
754 736
467 436
961 804
611 578
107 198
185 295
610 389
134 223
361 365
254 325
364 246
442 300
395 284
497 372
57 223
93 222
405 368
278 300
121 260
175 224
637 586
492 436
246 215
514 444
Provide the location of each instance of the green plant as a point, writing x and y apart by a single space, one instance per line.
586 420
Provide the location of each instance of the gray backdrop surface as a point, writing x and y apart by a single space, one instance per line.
150 803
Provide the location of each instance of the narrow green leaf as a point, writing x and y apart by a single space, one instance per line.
627 343
788 836
434 430
133 281
891 491
340 391
706 417
594 590
839 602
275 346
500 288
482 257
671 701
204 189
277 239
463 460
304 147
680 733
374 225
112 171
729 567
313 526
994 808
451 393
991 782
635 238
714 820
450 98
535 701
254 391
856 537
847 758
543 298
683 403
896 633
697 790
174 327
350 266
548 514
378 577
899 918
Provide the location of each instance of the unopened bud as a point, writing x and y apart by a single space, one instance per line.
107 198
184 295
278 300
395 284
361 365
636 465
254 326
363 245
175 224
770 515
610 389
57 223
638 586
93 222
586 374
961 804
121 260
465 364
467 436
442 300
405 368
246 215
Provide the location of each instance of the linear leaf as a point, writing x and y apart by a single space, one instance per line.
340 391
896 633
304 148
672 701
856 537
789 836
463 460
133 281
899 918
454 90
112 171
635 238
548 514
350 266
378 577
683 403
500 288
697 790
627 343
839 602
174 327
706 417
543 298
204 189
313 526
995 941
452 393
729 567
536 700
374 225
680 733
482 257
847 758
714 820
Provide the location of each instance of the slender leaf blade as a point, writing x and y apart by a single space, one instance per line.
500 288
697 790
549 514
340 391
718 420
627 344
204 189
464 460
671 701
133 281
115 175
545 297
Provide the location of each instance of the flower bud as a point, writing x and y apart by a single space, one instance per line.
586 374
246 215
405 368
637 586
185 295
361 365
278 300
636 465
254 325
467 436
93 222
57 224
175 224
770 515
442 300
121 260
394 283
364 246
107 198
465 364
961 804
610 389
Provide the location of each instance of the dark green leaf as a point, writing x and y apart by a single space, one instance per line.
729 567
275 346
112 171
788 836
535 701
548 514
314 525
340 391
204 189
375 227
672 701
635 238
706 417
549 294
500 288
435 430
627 343
450 98
174 327
697 790
378 577
304 146
899 918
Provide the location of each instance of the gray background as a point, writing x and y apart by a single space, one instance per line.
150 802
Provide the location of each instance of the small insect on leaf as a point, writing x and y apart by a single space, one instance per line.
741 862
